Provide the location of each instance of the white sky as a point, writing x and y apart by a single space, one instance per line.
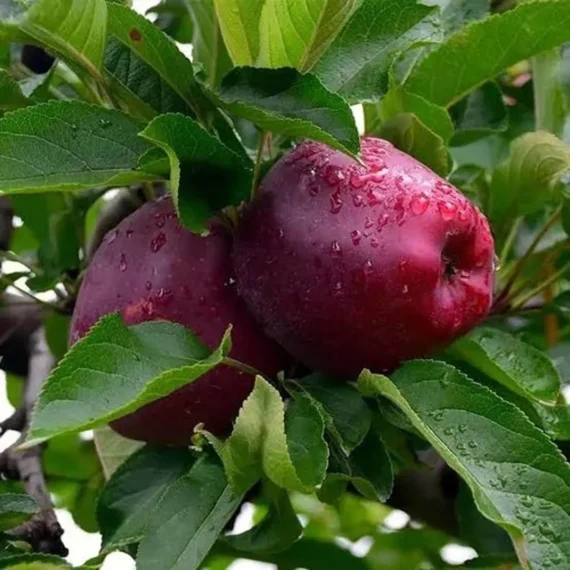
83 546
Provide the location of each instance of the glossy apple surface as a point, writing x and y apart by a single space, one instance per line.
351 267
150 268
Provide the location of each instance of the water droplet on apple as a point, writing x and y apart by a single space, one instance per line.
356 180
374 197
464 214
419 204
464 274
382 221
336 249
443 187
356 237
148 286
368 223
357 200
158 242
112 236
159 220
405 290
129 233
368 267
337 289
336 203
496 263
374 242
123 262
447 210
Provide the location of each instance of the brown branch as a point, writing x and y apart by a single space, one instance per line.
42 531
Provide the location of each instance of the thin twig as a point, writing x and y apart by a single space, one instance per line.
258 162
542 286
241 366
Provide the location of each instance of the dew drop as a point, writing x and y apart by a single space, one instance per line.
123 262
368 223
368 267
331 175
105 123
356 180
160 221
356 237
526 501
447 210
405 290
419 204
335 248
129 233
374 242
337 289
382 221
473 444
437 416
158 242
374 197
462 428
148 286
463 214
336 203
443 187
357 200
449 431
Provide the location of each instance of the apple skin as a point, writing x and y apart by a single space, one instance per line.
351 267
150 268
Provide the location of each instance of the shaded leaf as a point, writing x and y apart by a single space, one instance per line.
287 102
205 175
188 518
15 509
113 449
136 487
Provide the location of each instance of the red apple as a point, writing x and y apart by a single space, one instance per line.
151 268
351 267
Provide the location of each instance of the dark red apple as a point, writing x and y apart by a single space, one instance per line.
350 266
151 268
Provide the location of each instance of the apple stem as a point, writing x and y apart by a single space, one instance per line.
520 265
241 366
259 159
542 286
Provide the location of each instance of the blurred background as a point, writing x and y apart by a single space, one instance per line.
84 545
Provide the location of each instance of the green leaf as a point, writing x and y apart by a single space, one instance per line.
297 34
188 518
68 145
477 531
173 18
259 444
371 468
407 133
482 50
239 22
346 414
209 49
146 66
34 562
398 101
287 102
356 65
480 114
57 331
70 457
515 364
11 96
457 13
310 554
205 175
115 370
76 30
518 477
136 487
530 178
84 509
113 449
276 532
15 509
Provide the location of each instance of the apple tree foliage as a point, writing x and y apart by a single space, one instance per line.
477 90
